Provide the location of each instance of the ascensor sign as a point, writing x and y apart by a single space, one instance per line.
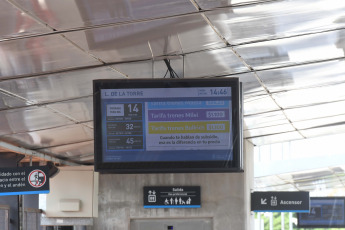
24 180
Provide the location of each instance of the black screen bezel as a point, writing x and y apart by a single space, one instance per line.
299 225
168 166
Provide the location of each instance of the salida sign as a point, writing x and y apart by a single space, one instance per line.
172 197
25 180
280 201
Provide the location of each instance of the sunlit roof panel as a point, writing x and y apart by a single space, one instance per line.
310 96
30 119
263 120
42 54
259 104
79 110
196 34
294 50
14 23
326 130
130 69
79 13
59 86
276 19
330 183
319 122
251 85
10 101
80 151
276 138
209 4
325 110
318 174
263 131
115 44
268 180
304 76
144 40
224 62
69 134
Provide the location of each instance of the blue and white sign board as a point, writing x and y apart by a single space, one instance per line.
280 202
24 180
172 197
325 212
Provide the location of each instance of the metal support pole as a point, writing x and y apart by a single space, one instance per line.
21 212
260 222
271 220
22 221
282 214
290 221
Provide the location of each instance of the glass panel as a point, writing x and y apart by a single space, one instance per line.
316 111
251 85
272 183
40 54
143 39
294 50
260 104
79 13
195 34
268 130
59 86
13 23
328 130
277 19
209 4
311 175
310 96
10 102
52 137
305 76
83 151
135 69
265 120
80 109
319 122
29 119
276 138
169 44
224 62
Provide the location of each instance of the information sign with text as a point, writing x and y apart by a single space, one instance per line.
24 180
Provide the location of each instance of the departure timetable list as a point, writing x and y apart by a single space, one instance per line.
124 126
157 119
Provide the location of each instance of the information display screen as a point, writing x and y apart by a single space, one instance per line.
167 125
324 212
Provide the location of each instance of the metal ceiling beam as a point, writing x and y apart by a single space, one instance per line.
34 153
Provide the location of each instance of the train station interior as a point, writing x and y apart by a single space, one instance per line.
287 54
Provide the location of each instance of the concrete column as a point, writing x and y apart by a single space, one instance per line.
225 197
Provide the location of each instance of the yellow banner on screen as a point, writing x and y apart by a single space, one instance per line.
189 127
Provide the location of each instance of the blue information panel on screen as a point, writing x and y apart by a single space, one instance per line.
324 212
173 121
